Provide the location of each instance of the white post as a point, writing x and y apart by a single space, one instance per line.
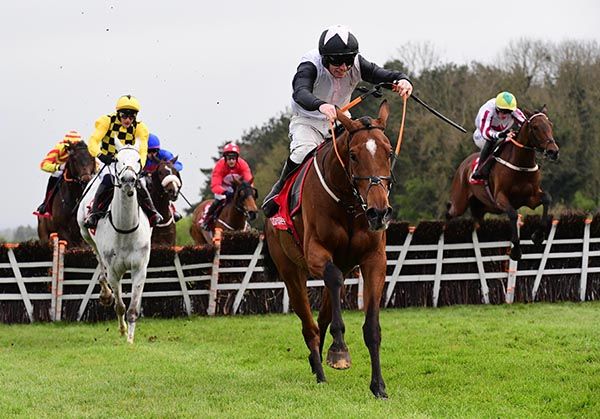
585 258
438 270
184 291
540 272
54 240
20 283
398 267
214 280
513 266
247 276
360 301
485 292
60 279
88 292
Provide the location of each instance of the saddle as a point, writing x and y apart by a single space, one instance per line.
475 163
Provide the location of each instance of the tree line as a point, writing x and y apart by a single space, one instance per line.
564 76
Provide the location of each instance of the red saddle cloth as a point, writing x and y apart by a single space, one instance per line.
472 181
283 219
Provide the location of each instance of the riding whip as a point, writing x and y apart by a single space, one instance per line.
439 115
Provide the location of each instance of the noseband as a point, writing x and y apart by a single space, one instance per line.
543 147
353 179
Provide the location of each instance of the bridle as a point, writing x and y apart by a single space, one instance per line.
240 196
117 176
543 147
353 179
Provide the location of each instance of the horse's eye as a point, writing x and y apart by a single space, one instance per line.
352 156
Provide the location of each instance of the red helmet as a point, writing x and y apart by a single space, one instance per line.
231 148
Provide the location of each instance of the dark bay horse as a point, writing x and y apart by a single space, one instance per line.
235 213
164 185
514 180
79 169
345 212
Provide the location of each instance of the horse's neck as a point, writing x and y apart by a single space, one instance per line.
161 202
125 209
234 218
334 174
519 156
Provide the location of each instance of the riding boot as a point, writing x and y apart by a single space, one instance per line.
147 205
483 167
207 222
102 200
50 189
269 205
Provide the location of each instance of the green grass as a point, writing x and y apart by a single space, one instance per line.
538 360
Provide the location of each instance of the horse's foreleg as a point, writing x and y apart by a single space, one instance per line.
545 199
115 283
374 277
138 278
338 356
515 252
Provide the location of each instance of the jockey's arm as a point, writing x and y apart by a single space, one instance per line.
372 73
142 133
101 126
216 180
51 162
303 84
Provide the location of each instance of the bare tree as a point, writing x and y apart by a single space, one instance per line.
418 56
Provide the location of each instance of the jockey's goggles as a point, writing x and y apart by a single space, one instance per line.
504 111
127 113
338 60
231 156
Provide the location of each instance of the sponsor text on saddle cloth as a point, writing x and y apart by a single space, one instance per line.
290 200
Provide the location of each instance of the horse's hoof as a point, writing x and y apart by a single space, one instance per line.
379 391
339 360
537 238
515 254
107 301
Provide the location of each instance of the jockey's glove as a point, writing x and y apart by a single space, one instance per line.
228 194
501 135
106 158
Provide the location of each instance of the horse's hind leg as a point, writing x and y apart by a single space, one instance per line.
324 319
295 281
459 200
338 356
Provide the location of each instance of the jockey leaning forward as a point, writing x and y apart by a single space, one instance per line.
156 154
230 165
494 122
54 163
123 125
324 80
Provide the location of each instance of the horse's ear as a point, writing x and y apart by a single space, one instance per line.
527 113
544 109
137 143
174 159
118 144
346 122
384 113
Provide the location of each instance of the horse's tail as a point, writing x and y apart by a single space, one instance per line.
268 264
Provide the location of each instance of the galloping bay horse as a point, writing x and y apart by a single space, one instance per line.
514 180
164 185
345 212
235 214
79 169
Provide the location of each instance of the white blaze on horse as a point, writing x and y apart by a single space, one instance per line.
121 241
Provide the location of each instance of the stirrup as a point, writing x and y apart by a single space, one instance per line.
270 207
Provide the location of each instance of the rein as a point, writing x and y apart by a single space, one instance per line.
373 180
121 231
526 147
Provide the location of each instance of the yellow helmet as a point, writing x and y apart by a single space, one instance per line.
128 102
506 100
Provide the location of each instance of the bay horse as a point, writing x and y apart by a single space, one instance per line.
235 214
344 214
121 241
514 179
164 185
79 169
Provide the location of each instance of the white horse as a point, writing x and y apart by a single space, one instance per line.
121 241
